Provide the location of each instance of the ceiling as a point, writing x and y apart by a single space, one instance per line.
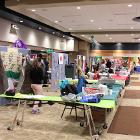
106 20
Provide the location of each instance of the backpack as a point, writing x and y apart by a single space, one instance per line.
10 93
69 89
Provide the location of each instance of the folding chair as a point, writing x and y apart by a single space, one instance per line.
72 106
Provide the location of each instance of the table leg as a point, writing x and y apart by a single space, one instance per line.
92 130
11 127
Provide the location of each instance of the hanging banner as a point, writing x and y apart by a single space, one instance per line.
84 63
61 58
12 62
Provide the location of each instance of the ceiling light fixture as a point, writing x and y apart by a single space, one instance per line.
110 38
53 32
91 20
130 5
56 21
106 35
33 10
70 28
119 43
39 28
63 36
78 7
82 35
21 21
100 28
132 28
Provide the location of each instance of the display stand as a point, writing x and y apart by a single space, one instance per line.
11 69
59 60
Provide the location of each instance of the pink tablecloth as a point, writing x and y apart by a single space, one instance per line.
119 77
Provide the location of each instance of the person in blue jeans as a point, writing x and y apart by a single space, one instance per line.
81 81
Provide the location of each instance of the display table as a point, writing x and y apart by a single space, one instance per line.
101 104
75 81
94 133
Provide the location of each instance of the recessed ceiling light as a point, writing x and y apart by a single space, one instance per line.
82 35
39 28
130 5
99 28
63 36
70 28
132 28
110 38
78 7
106 35
132 34
139 39
21 21
91 20
33 10
119 43
56 21
53 32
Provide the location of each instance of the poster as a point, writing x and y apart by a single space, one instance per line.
58 69
12 62
61 58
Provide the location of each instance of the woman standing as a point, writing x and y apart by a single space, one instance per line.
36 75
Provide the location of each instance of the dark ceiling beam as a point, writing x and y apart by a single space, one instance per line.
35 2
107 32
32 23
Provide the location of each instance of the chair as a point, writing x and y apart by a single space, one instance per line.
72 106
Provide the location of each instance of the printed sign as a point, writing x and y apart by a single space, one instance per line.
61 58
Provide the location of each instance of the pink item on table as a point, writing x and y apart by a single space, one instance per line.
119 77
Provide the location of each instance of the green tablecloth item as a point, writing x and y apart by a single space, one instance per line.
101 104
13 75
75 81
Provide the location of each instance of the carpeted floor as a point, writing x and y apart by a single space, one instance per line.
132 94
134 84
134 78
126 121
47 125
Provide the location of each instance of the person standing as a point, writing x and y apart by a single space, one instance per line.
86 69
81 80
36 76
108 64
46 77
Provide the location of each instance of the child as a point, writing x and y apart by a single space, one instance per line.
81 81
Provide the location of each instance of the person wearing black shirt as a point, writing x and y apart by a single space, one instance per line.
108 64
86 69
46 77
110 70
36 76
